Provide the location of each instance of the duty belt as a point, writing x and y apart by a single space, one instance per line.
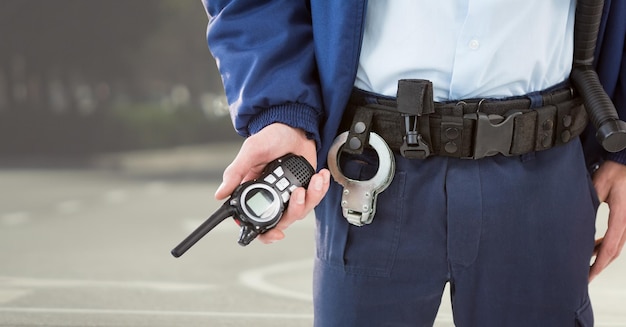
417 127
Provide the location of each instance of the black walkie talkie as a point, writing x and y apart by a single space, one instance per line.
257 205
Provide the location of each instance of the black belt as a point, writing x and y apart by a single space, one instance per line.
417 127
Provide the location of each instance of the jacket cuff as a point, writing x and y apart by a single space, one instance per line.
619 157
293 114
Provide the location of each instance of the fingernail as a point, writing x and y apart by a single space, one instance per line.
318 184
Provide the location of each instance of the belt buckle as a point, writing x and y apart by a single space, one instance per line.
493 134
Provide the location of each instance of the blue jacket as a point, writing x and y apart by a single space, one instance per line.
295 61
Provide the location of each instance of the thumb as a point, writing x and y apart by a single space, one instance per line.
230 179
247 165
235 174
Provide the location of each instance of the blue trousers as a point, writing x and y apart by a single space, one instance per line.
512 235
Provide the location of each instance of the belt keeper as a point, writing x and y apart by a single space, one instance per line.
359 133
451 133
571 119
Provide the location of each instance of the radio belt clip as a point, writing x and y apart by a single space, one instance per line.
413 145
415 102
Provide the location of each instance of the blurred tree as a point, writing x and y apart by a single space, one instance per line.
76 39
63 62
177 51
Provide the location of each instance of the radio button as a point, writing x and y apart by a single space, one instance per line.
279 171
270 179
282 184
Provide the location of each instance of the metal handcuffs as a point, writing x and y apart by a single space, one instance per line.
358 200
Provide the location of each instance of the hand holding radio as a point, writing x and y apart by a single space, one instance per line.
257 150
257 205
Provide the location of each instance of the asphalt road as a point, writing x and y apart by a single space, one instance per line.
91 247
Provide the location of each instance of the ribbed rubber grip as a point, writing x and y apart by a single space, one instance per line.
611 132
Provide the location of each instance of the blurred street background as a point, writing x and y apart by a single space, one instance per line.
79 78
114 133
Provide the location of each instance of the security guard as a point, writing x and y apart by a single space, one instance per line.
490 188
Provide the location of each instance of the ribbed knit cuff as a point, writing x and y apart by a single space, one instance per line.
293 114
617 157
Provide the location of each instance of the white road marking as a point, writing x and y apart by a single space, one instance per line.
15 218
256 279
74 311
73 283
8 295
69 206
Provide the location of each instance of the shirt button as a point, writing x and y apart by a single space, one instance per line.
474 44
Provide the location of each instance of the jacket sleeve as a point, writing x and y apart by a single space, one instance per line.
264 52
611 61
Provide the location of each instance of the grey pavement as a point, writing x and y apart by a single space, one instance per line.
90 247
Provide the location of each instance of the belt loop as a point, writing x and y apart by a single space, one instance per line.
451 139
536 100
415 102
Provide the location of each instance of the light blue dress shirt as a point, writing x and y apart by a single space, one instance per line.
467 48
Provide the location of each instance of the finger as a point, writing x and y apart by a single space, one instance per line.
301 204
601 191
603 259
317 188
295 211
271 236
607 250
604 177
596 247
305 202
